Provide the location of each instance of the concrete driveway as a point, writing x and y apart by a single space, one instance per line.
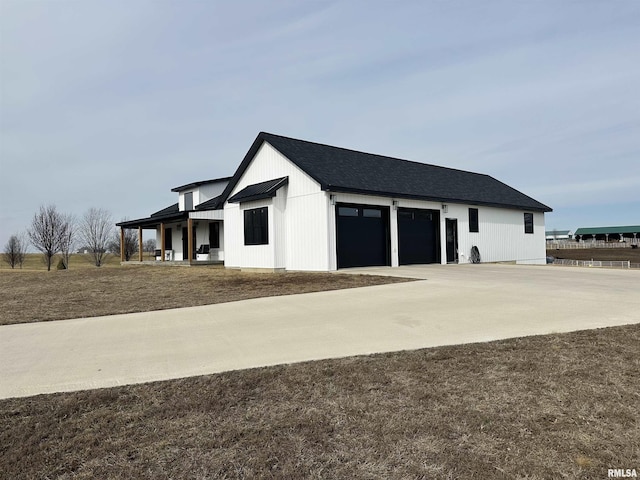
450 305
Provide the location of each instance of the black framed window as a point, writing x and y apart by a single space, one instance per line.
256 226
372 213
168 239
528 223
473 220
188 201
348 211
214 235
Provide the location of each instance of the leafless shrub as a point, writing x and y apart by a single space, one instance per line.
150 246
130 243
67 239
15 251
47 231
96 229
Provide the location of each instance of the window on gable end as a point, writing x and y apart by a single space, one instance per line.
188 201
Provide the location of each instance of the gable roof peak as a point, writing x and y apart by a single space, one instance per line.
340 169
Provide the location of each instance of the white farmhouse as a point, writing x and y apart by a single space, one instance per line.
299 205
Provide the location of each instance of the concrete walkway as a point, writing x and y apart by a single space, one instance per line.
454 304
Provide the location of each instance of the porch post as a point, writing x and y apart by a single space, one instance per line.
190 238
140 242
122 244
162 241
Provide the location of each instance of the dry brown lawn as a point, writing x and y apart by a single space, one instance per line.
37 295
556 406
546 407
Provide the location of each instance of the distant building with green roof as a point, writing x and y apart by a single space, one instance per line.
608 233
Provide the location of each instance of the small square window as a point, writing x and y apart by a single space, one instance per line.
528 223
473 220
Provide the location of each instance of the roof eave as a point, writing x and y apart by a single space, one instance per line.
333 188
153 221
191 185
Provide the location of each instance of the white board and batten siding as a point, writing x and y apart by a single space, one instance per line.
202 193
202 236
302 223
500 236
297 219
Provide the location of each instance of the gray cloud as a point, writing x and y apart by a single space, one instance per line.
111 104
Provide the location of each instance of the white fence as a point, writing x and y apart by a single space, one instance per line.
571 245
597 263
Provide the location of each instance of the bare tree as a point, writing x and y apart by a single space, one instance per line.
67 239
95 230
150 246
46 232
130 243
15 251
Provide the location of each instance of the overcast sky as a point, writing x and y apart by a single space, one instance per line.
112 103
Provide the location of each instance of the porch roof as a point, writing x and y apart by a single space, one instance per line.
215 203
166 215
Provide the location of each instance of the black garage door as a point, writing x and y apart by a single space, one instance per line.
362 235
418 236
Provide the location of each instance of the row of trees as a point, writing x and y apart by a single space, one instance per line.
52 232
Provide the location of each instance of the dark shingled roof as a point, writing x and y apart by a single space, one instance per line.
171 213
342 170
191 185
213 204
258 191
170 210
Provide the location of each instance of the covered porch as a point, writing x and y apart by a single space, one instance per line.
181 237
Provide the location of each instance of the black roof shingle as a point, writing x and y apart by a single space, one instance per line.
343 170
171 213
191 185
213 204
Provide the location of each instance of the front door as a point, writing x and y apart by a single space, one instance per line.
452 240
